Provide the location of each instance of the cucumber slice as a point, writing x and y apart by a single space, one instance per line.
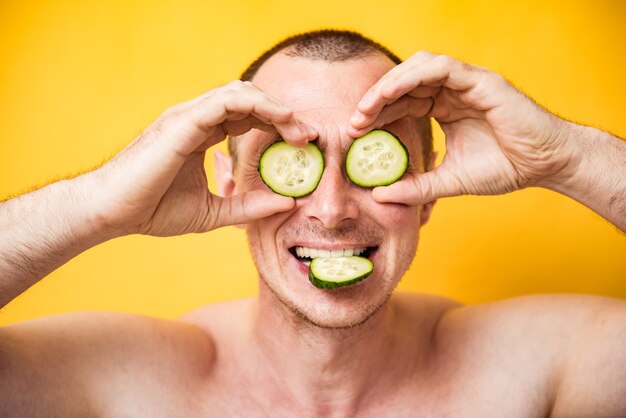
291 171
378 158
330 273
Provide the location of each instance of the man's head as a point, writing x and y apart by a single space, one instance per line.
321 76
332 46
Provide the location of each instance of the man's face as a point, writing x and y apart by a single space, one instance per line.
338 215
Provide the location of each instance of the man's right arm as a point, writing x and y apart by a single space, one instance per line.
155 186
42 230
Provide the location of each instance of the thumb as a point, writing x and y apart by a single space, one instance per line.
419 188
245 207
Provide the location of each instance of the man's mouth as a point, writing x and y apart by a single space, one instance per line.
306 254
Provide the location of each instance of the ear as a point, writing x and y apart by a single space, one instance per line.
226 185
427 208
224 174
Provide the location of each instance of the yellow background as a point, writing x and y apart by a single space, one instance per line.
80 79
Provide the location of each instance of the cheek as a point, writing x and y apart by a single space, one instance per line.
401 224
264 232
396 217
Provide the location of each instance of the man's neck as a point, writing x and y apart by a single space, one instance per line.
329 369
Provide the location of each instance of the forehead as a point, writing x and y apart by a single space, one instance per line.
324 95
320 91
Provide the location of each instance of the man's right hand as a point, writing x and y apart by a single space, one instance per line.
157 185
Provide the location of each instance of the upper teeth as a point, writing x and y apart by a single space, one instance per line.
315 253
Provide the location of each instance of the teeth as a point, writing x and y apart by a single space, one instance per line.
307 252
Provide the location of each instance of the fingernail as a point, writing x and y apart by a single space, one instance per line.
367 99
312 133
356 118
376 194
353 132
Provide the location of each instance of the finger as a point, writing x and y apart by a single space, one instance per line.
242 124
374 91
238 88
240 127
425 91
245 207
419 188
440 70
291 129
245 99
406 106
268 110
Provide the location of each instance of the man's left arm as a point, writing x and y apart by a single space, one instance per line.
599 178
591 381
498 140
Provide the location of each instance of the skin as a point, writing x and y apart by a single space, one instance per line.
297 350
338 214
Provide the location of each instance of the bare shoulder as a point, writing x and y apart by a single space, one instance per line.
227 323
536 314
63 361
218 310
547 323
87 334
422 309
410 300
567 351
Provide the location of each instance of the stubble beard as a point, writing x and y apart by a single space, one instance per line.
301 316
306 316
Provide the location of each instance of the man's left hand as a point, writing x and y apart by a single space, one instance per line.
497 139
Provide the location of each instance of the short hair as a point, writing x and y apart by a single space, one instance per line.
332 46
323 45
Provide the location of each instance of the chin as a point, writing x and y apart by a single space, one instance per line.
341 308
284 274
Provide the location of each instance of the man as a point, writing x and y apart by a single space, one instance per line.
296 350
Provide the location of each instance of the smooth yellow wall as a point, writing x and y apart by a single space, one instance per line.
80 79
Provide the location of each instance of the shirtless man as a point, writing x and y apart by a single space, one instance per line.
295 350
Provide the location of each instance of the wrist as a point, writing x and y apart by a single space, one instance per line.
569 155
594 175
91 221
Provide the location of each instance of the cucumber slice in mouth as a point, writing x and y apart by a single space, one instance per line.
291 171
334 272
378 158
330 272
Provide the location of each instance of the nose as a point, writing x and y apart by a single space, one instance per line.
333 201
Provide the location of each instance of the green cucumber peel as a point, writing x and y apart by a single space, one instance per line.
291 171
378 158
335 272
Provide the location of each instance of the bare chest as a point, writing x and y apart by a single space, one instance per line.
236 395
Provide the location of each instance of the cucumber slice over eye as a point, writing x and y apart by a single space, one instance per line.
330 273
291 171
378 158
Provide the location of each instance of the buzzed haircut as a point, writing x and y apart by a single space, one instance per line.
332 46
323 45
